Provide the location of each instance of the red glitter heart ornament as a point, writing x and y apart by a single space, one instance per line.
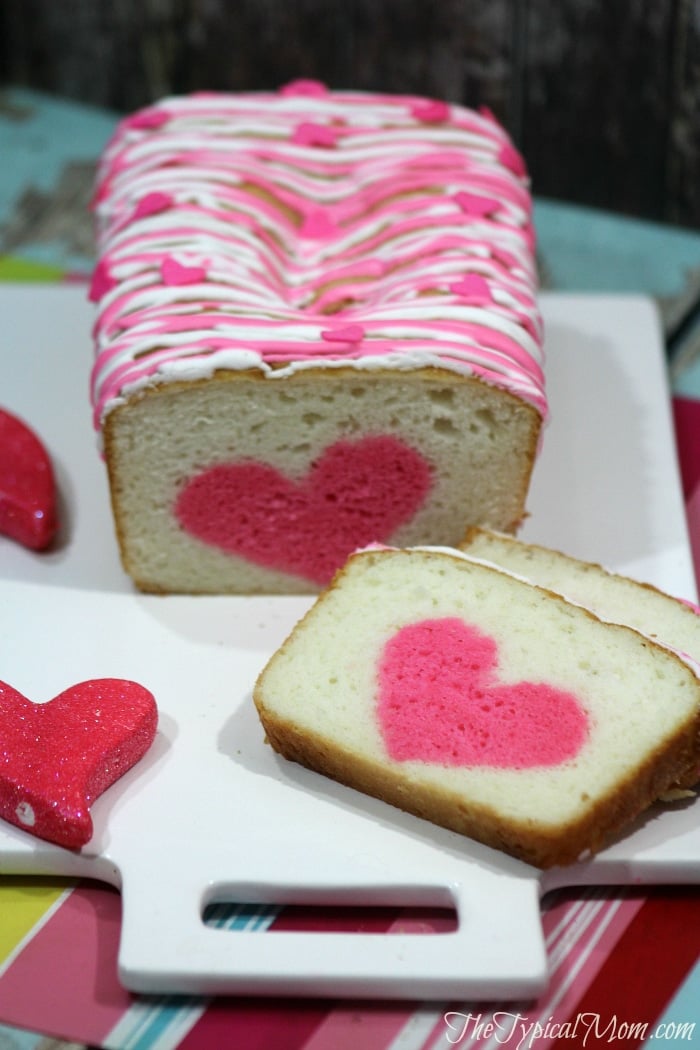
56 758
356 493
441 701
27 485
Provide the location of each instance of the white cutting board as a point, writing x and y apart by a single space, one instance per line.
211 812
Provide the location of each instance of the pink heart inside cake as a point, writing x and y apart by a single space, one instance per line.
441 701
282 271
354 494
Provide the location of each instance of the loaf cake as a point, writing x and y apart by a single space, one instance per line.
481 702
316 314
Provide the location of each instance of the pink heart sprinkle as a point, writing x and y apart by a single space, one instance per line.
529 325
441 701
505 258
488 114
430 111
318 226
351 333
174 273
474 289
304 88
475 204
510 158
530 236
375 268
148 118
101 193
101 283
151 204
310 134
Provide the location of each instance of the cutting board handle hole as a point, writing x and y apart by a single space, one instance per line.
330 918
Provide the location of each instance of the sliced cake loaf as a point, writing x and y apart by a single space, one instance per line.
472 698
316 316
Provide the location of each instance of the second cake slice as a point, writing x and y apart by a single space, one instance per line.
478 701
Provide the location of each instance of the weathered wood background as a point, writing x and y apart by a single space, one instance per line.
603 96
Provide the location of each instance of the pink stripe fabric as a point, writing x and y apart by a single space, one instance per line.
693 511
256 1025
581 956
360 1026
580 934
65 981
686 414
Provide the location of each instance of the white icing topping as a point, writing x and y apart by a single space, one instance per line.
313 229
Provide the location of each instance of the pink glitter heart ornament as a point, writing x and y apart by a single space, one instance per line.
57 757
441 701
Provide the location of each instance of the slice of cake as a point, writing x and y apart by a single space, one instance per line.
611 596
474 699
316 316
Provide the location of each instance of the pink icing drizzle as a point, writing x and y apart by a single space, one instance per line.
255 230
